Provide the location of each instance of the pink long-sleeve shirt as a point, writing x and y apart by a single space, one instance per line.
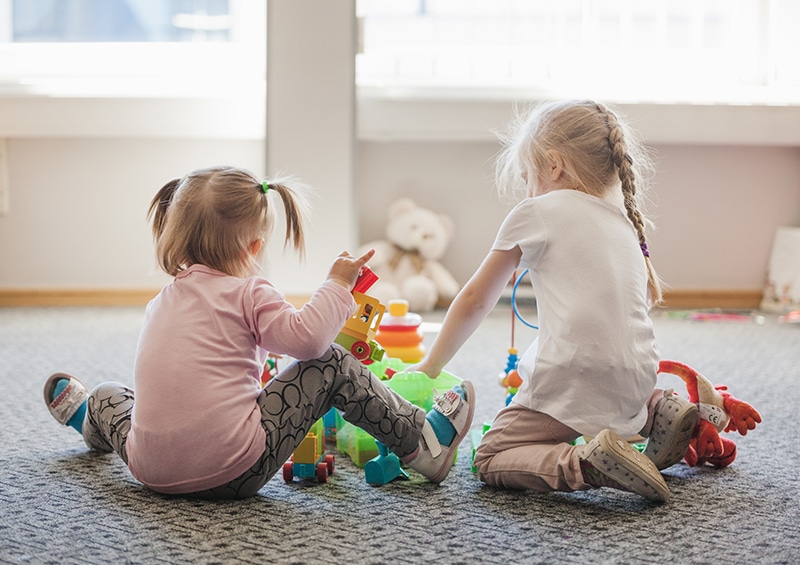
196 423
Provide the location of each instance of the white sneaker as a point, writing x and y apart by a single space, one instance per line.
64 405
674 421
434 459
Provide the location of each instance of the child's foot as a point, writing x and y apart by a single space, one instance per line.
445 427
610 461
65 397
674 421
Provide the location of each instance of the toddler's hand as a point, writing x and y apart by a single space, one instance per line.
346 268
425 367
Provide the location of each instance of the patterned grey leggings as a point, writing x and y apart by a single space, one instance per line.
296 398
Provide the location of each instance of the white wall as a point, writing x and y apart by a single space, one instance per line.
311 128
82 171
77 206
77 215
715 208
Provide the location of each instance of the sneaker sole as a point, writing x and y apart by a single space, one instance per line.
449 455
618 460
678 426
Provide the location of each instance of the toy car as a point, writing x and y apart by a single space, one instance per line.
309 460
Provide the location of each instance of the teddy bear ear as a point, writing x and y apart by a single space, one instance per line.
401 206
448 223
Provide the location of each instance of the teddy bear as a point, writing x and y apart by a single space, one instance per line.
407 261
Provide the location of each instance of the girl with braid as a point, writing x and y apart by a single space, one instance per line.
592 370
199 422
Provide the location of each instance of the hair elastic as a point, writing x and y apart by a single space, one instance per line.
645 251
265 186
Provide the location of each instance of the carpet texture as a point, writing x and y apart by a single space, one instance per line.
60 503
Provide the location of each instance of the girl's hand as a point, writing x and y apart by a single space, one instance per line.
346 268
426 367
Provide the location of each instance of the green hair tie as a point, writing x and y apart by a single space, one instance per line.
265 187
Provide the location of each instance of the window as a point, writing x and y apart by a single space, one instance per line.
671 51
132 48
117 21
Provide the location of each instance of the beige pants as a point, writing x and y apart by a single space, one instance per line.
525 449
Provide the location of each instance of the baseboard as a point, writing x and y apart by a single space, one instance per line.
728 299
89 297
680 299
76 297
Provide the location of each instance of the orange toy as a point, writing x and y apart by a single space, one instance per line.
400 334
719 411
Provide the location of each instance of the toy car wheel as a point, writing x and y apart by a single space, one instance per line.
360 350
288 472
322 472
329 463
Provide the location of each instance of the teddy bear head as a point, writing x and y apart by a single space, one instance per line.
413 228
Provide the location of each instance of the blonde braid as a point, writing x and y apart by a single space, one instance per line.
624 163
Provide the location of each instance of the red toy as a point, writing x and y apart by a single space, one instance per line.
719 411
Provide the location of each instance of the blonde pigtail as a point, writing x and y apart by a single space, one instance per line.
294 209
627 177
157 213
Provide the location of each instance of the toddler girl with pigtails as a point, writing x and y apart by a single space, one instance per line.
592 370
197 421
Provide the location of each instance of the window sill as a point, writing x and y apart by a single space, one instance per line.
447 115
136 109
131 109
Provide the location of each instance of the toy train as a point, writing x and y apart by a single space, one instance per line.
358 333
309 459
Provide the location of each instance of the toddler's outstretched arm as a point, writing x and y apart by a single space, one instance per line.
346 268
469 308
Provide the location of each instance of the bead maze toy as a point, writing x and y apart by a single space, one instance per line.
509 377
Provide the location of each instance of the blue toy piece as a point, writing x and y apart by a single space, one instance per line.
384 468
512 361
329 423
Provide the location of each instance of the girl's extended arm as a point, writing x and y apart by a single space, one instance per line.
307 332
470 307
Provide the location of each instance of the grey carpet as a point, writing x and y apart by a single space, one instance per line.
60 503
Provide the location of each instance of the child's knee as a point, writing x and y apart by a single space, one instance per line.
107 390
482 466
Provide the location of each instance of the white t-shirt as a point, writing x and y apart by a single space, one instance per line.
196 423
594 363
